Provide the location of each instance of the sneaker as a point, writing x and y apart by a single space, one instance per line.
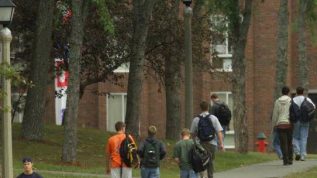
302 158
297 157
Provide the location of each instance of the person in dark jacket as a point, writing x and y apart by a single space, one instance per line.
151 151
28 169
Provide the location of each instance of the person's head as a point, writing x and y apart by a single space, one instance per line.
27 165
185 133
214 97
285 90
120 126
299 90
151 131
204 106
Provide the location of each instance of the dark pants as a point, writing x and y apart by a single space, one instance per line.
286 137
211 151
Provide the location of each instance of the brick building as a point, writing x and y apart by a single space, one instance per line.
102 111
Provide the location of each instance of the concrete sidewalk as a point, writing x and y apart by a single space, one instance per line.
273 169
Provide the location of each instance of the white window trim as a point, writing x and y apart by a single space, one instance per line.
122 110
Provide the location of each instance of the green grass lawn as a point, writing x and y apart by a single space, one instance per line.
47 154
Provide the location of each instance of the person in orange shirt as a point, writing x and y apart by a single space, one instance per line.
115 165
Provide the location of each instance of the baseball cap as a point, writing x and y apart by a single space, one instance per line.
27 159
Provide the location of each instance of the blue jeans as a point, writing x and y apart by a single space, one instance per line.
150 172
300 135
188 174
276 143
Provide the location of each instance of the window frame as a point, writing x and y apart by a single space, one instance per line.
123 107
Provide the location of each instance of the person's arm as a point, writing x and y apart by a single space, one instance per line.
176 155
162 150
219 134
275 115
311 102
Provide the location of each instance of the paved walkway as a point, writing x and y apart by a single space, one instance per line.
273 169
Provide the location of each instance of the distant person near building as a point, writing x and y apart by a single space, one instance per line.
28 171
151 151
206 128
180 154
221 110
281 122
115 166
300 117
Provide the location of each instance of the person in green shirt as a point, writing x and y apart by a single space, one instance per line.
181 151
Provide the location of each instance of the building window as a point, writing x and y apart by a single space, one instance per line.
226 96
220 46
116 109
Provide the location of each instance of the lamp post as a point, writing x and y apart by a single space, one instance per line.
188 64
6 15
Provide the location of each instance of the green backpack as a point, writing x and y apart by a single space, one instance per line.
151 157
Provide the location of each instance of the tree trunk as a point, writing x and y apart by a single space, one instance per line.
239 32
172 87
32 124
302 55
172 72
79 8
142 11
282 42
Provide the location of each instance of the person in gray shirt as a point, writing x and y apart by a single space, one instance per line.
211 145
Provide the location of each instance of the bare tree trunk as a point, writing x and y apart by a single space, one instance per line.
142 11
172 87
302 55
79 9
32 124
172 73
239 32
282 42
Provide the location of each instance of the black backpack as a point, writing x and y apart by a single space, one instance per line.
206 131
128 152
223 113
151 154
198 158
304 113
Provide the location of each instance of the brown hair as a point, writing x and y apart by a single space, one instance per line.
204 106
185 131
119 125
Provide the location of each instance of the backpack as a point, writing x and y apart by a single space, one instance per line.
198 158
223 113
206 131
151 154
304 113
128 152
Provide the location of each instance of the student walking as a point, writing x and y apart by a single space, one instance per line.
221 110
115 166
281 122
181 152
207 128
301 124
151 151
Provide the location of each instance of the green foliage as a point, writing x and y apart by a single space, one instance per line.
104 15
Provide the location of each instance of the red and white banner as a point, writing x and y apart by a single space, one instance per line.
61 83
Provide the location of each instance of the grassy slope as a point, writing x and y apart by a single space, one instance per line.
46 154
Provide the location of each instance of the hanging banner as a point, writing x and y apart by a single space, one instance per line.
61 83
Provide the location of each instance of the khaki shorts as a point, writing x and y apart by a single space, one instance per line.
126 172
